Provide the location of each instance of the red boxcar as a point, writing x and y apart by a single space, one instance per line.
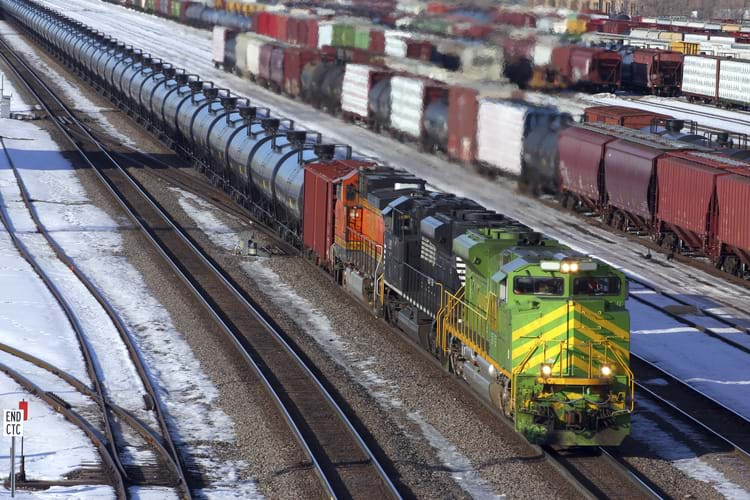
622 116
733 228
377 41
295 59
686 204
263 23
321 181
462 123
311 33
292 35
581 151
282 27
588 66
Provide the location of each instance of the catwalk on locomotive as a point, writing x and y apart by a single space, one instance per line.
538 329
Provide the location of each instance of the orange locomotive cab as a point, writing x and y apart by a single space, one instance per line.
359 233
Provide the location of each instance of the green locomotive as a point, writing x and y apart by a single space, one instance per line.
552 331
536 328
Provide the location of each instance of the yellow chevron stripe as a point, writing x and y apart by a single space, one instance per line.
538 323
520 351
597 337
596 318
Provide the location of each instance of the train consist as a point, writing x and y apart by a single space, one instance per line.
461 120
538 329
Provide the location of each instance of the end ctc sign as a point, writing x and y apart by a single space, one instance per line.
12 423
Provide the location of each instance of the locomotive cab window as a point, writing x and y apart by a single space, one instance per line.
530 285
596 285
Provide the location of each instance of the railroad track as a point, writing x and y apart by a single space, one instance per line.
716 418
169 470
705 114
343 460
629 475
682 311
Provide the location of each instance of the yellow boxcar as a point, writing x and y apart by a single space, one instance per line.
671 36
575 26
731 28
687 48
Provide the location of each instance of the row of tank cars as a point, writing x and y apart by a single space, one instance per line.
538 329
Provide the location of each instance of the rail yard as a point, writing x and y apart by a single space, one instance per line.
393 249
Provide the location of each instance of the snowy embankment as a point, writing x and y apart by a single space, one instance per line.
33 321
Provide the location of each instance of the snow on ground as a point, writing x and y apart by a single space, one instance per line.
53 446
318 326
646 429
193 52
715 368
61 202
32 321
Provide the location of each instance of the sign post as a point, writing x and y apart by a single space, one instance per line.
12 427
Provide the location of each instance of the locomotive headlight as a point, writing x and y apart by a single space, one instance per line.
546 370
574 267
565 267
606 370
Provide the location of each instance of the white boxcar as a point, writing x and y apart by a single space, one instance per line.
407 105
699 75
220 35
355 91
734 81
325 33
395 43
500 133
252 53
241 52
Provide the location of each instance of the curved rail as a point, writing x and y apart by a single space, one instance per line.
345 464
73 417
82 388
168 450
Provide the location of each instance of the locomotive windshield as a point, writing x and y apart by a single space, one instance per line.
596 285
530 285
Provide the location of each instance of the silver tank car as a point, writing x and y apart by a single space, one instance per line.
162 93
148 90
206 117
131 57
175 100
144 79
188 110
223 132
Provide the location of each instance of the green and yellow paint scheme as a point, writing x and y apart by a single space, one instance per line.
552 326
